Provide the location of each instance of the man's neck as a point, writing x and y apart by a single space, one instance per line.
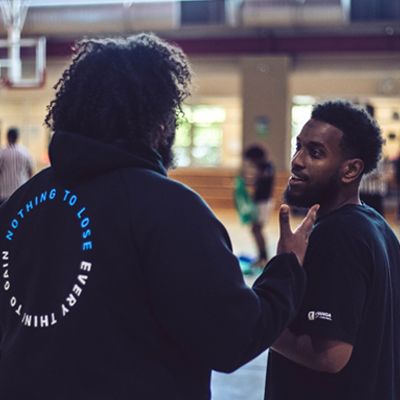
342 200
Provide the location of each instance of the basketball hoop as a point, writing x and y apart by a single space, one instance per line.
14 14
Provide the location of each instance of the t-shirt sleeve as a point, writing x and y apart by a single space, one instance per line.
336 263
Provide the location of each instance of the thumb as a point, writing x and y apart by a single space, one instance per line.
284 223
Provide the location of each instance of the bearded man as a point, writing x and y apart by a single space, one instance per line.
118 282
344 343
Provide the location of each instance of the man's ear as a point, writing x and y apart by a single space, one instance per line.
352 169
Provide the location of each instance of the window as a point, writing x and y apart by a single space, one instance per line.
202 12
199 137
301 113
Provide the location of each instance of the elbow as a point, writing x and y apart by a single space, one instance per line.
227 369
226 365
333 366
333 369
335 358
228 361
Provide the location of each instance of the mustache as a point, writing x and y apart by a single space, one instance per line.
298 174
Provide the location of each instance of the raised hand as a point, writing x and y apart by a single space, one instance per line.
296 241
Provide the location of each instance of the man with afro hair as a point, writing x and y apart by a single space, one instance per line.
118 282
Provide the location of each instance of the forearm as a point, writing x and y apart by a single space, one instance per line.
260 314
279 290
297 349
322 356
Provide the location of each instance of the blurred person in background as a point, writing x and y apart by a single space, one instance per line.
16 165
374 187
118 282
344 343
263 185
396 167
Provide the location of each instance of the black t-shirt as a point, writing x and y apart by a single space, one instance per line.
264 182
353 295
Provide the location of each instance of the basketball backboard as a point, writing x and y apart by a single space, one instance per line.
14 13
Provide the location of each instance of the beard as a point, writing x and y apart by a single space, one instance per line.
166 153
166 143
317 193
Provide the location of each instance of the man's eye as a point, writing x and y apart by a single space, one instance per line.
298 146
316 153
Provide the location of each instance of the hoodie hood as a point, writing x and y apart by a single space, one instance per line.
76 157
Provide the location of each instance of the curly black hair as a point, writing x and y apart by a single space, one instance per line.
255 153
127 89
13 135
361 134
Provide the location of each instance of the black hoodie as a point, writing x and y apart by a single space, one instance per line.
120 283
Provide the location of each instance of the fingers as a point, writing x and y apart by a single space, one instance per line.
284 223
309 220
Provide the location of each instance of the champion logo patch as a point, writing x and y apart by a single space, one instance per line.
313 315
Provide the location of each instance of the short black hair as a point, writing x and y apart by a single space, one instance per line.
255 152
121 88
361 134
12 135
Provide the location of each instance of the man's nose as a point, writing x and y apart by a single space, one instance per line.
298 159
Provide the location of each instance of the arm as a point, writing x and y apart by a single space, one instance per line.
322 336
273 287
315 353
197 291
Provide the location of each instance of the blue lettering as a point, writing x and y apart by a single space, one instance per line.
72 200
43 197
86 234
29 206
80 212
67 192
51 195
85 222
87 246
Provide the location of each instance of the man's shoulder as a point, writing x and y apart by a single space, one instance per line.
23 150
355 229
163 189
347 220
342 229
15 149
7 152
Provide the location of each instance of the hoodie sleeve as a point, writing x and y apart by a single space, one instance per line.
198 293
